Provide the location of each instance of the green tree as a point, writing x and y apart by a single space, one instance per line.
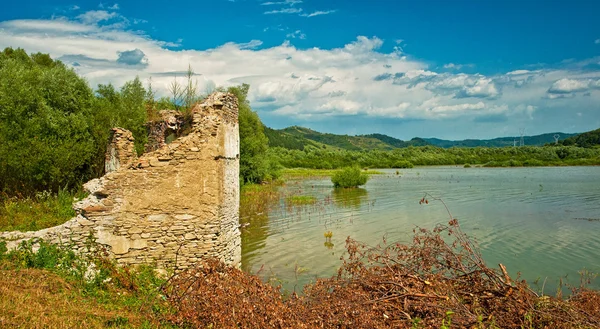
255 165
125 108
45 112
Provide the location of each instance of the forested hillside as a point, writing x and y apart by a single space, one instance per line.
297 138
587 139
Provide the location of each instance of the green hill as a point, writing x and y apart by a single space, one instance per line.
298 138
537 140
587 139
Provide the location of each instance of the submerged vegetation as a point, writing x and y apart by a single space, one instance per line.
300 200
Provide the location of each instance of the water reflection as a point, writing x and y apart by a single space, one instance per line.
350 197
524 218
255 204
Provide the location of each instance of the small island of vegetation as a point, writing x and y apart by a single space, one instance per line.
349 177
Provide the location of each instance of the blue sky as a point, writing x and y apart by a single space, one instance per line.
447 69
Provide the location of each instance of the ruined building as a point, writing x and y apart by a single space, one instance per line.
180 201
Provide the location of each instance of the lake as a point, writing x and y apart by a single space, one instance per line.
542 222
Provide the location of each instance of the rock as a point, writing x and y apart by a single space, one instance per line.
159 217
84 222
185 217
157 163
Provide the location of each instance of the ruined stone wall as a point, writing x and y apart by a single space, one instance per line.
180 201
120 152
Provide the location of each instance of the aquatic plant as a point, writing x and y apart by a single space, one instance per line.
300 200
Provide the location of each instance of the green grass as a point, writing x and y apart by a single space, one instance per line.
300 200
305 172
55 288
35 213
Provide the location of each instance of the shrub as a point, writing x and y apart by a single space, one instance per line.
349 177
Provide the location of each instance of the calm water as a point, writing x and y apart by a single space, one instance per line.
530 219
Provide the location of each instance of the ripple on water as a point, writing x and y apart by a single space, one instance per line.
521 217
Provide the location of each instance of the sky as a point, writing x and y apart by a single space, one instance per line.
445 69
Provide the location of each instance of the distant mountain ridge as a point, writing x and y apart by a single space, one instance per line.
298 138
537 140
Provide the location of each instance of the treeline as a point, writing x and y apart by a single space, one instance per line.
587 139
54 128
430 155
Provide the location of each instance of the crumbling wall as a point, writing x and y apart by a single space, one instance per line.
180 202
172 124
120 152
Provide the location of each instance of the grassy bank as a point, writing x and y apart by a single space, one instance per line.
38 212
437 281
54 288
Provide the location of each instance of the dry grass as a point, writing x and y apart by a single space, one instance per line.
32 298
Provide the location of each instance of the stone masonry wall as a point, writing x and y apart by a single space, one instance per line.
180 202
120 152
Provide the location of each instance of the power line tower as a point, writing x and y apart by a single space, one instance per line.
522 133
556 137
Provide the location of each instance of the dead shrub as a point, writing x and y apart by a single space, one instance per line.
438 281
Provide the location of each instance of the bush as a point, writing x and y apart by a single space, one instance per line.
255 165
349 177
45 119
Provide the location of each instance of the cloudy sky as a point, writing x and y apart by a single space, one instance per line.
446 69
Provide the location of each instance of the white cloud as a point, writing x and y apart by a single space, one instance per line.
597 41
566 86
447 109
296 34
246 45
318 13
518 72
96 16
483 88
284 11
286 2
114 7
453 66
313 83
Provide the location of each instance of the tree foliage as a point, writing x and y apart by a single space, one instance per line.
349 177
53 128
255 165
587 139
45 123
318 158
